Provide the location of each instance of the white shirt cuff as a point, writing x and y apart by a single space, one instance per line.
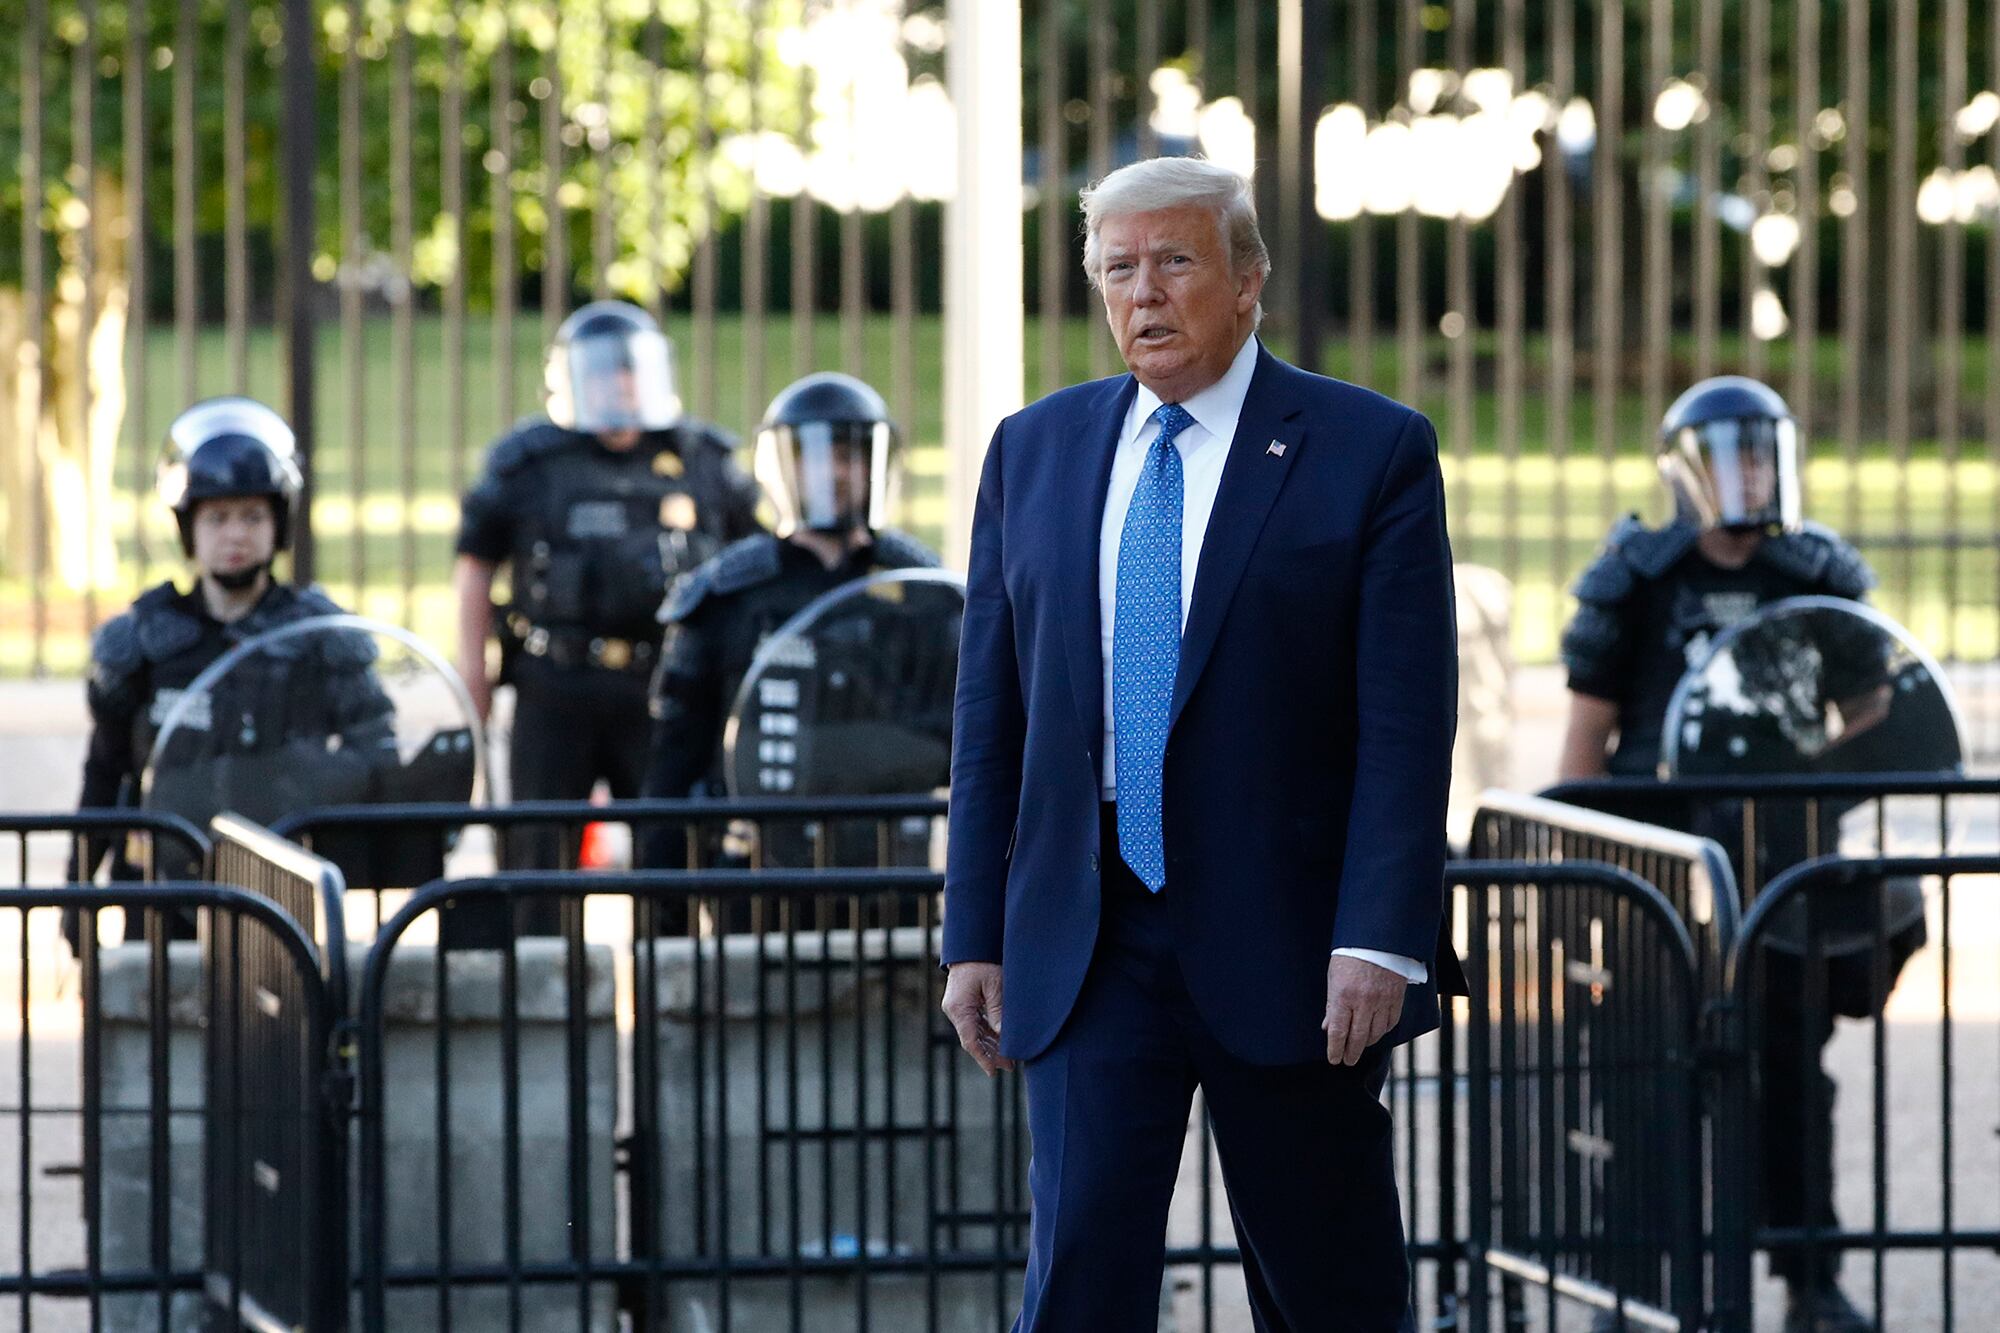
1409 969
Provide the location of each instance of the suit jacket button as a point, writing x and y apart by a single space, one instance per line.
1093 862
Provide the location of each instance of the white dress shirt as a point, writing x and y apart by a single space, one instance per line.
1203 447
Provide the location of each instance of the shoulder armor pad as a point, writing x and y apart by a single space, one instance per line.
1651 552
115 653
739 565
288 606
339 648
157 596
527 441
313 601
708 434
895 549
1819 555
163 628
1633 551
347 648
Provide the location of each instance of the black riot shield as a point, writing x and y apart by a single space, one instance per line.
851 697
330 710
1813 685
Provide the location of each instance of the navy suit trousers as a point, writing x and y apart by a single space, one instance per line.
1306 1153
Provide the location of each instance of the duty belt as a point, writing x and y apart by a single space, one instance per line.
573 648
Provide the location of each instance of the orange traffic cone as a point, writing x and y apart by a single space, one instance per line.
599 850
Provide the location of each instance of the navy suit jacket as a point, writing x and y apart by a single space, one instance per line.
1309 748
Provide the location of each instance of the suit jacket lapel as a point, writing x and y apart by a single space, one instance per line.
1251 478
1088 457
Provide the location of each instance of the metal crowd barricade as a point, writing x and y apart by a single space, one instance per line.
1201 1243
1873 814
780 1163
805 1136
102 1069
384 849
1692 873
1927 1102
734 1098
1582 1120
49 846
250 1195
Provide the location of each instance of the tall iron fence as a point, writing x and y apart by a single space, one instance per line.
1535 221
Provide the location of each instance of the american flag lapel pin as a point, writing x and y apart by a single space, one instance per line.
1276 447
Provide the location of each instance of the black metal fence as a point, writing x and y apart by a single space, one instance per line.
807 1145
61 847
1823 941
132 1119
1584 1130
1692 872
1535 221
726 1095
280 1078
1769 823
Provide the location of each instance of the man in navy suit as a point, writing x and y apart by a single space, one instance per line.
1201 749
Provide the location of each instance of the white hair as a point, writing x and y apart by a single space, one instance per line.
1177 182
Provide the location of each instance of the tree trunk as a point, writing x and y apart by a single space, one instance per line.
63 418
18 496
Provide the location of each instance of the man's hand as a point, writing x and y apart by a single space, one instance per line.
972 1003
1363 1002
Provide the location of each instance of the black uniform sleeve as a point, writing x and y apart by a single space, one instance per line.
1597 644
486 516
686 705
115 693
107 762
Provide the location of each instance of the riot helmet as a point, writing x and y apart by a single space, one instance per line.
826 455
224 448
1729 452
611 369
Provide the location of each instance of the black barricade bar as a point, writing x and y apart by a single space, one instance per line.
398 847
310 890
1693 873
250 996
1819 943
734 1097
1583 1097
167 842
1937 812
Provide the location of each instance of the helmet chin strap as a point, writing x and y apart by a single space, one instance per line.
241 579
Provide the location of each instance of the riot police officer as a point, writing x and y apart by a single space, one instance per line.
230 478
1651 601
826 455
1647 608
595 508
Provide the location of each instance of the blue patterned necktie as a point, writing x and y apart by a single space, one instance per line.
1146 646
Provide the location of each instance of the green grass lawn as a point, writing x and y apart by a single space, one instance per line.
386 507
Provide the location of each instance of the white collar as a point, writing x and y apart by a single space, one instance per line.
1215 409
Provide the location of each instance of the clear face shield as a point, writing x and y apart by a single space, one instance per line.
613 381
1740 474
828 476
